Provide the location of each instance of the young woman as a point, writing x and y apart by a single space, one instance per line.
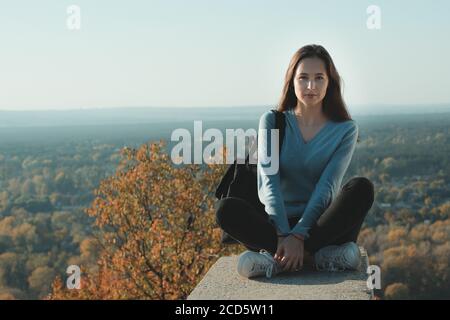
306 215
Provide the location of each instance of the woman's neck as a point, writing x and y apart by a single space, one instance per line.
310 116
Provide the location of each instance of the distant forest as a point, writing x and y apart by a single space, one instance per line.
48 176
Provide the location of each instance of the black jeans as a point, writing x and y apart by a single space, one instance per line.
338 224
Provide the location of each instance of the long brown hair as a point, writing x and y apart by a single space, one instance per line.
333 104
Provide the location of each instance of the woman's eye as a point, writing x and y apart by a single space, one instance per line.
319 77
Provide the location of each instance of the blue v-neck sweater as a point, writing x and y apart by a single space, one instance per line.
310 172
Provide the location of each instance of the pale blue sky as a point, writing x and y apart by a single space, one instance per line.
216 53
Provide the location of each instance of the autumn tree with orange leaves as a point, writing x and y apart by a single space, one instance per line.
155 225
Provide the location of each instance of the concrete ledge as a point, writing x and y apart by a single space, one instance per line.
222 282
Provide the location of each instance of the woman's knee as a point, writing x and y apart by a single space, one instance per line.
221 208
228 208
363 187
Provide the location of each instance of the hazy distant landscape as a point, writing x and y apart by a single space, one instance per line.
137 125
130 115
50 163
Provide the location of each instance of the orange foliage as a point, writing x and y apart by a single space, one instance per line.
156 227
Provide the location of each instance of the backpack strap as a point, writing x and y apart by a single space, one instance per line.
280 124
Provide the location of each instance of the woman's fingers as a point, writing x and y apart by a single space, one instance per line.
279 252
295 264
287 266
290 263
283 261
286 261
299 265
289 256
300 262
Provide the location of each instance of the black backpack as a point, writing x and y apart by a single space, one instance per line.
240 179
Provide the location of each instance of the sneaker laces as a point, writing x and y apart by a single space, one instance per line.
271 268
334 260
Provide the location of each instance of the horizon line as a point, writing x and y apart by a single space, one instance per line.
443 104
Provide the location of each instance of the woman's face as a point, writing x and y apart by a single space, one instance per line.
310 81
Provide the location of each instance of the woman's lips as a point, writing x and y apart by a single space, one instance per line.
310 95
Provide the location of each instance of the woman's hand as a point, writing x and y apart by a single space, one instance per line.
280 239
290 253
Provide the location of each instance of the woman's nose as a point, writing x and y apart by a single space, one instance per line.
311 84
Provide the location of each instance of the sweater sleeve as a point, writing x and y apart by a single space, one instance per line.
329 183
269 190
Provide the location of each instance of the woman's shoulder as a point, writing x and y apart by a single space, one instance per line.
267 119
270 114
349 124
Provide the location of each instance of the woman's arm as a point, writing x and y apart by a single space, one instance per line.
269 190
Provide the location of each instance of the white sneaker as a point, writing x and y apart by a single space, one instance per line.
338 258
253 264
